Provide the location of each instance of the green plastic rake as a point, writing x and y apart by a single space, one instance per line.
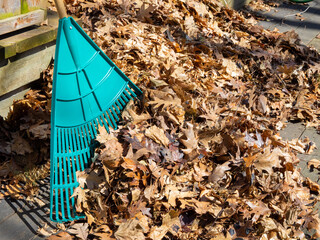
88 90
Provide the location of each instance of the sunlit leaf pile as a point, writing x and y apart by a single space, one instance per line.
200 155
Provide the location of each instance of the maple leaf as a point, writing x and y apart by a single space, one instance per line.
103 136
82 200
104 232
313 185
80 230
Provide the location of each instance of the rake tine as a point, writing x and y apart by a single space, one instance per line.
65 181
84 136
80 139
87 135
112 119
94 129
100 122
122 102
118 102
63 141
124 97
131 92
72 200
86 155
114 114
77 145
96 124
105 123
116 107
107 118
127 94
61 192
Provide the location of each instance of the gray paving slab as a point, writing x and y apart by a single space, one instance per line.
5 211
315 43
15 229
284 19
298 130
310 26
21 219
284 15
267 24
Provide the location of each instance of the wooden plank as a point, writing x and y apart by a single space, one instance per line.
18 43
9 8
18 66
24 68
21 21
26 41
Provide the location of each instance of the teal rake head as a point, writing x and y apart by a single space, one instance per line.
88 90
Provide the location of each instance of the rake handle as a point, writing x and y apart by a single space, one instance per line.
62 12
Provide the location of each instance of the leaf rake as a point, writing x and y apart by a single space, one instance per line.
88 90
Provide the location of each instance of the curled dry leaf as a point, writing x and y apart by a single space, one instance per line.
219 172
158 135
191 142
314 163
313 185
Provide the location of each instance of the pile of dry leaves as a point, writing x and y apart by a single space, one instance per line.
25 142
200 157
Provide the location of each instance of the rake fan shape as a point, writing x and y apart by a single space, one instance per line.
88 90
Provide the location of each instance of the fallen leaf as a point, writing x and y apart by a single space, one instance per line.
80 230
60 236
130 230
314 163
158 135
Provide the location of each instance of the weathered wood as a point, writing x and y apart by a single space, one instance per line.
22 21
26 40
9 8
25 55
25 69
